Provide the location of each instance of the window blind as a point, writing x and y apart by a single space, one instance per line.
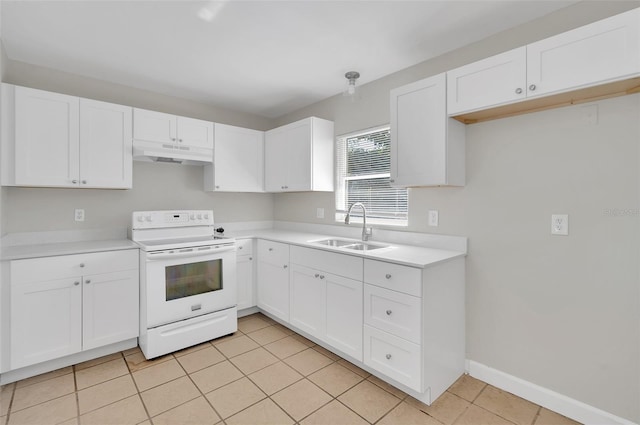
363 168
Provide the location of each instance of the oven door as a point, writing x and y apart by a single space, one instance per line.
189 282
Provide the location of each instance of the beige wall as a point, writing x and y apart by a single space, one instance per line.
561 312
155 186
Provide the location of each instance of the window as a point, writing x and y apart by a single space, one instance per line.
363 168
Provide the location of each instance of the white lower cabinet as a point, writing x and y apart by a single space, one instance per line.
273 278
326 300
244 273
67 304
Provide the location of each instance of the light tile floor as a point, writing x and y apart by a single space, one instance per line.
262 374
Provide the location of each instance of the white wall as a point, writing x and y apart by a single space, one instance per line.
560 312
155 186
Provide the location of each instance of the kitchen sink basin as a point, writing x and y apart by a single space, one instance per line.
350 244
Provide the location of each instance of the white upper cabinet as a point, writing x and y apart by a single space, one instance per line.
603 52
593 54
427 147
299 156
158 127
55 140
491 81
238 160
105 145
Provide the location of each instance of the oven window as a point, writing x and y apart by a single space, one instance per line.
185 280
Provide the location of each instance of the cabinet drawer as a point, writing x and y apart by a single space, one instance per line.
244 246
274 253
64 266
394 312
393 276
330 262
395 357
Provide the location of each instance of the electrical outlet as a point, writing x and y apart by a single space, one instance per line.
79 215
560 224
433 218
319 212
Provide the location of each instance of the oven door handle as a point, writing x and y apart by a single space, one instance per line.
190 252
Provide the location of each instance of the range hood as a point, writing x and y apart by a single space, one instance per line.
174 154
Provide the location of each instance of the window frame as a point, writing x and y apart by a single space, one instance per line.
340 182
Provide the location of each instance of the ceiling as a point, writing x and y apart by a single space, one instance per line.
263 57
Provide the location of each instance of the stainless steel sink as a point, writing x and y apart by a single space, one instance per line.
350 244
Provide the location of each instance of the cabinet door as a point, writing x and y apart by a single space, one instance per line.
105 145
196 133
110 308
308 300
298 156
238 159
45 321
418 133
244 276
154 126
276 160
46 138
488 82
602 51
273 289
344 315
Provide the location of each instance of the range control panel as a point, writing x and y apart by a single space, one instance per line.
164 219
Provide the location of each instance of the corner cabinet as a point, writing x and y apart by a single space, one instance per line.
238 160
594 61
54 140
427 147
63 305
299 157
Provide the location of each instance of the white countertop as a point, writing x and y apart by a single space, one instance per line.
19 252
408 255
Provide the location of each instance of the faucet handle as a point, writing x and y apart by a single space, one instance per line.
367 232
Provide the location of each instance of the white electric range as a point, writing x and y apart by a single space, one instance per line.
187 280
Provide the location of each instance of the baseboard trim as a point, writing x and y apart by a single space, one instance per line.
571 408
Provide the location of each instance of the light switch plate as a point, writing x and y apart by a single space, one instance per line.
560 224
433 218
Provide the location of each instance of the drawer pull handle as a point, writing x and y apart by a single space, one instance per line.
388 276
388 356
389 312
81 264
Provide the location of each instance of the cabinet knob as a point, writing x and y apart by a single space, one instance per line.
321 276
217 187
76 283
240 247
532 87
74 181
317 274
81 264
388 276
180 140
518 90
250 258
270 249
388 356
389 312
391 180
84 182
88 281
285 266
173 139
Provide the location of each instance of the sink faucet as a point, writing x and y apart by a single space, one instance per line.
366 231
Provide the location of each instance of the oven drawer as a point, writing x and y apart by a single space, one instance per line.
274 253
65 266
395 357
244 246
394 312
